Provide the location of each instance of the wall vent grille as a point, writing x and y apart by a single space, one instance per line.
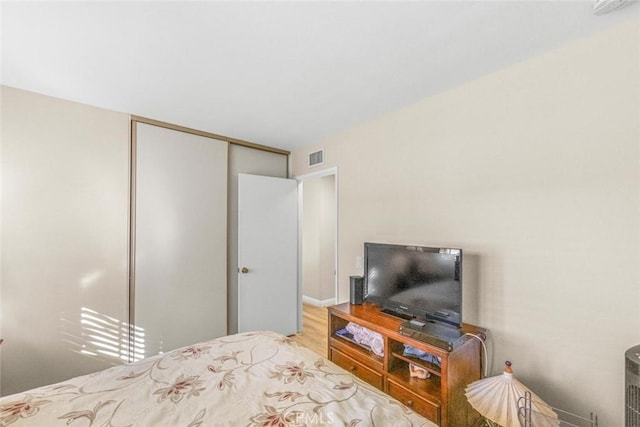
316 158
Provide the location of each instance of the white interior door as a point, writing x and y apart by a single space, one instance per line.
267 254
255 162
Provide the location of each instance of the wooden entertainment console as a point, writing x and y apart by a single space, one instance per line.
440 398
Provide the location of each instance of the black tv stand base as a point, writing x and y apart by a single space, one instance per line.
396 314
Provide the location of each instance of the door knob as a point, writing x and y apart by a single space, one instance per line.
244 270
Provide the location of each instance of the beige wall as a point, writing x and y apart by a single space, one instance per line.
534 172
311 239
64 235
318 238
327 238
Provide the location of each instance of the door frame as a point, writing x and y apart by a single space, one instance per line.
301 178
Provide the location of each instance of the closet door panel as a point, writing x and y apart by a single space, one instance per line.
180 282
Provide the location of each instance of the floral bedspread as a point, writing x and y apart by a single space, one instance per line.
250 379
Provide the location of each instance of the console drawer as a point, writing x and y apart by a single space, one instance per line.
366 357
413 401
358 369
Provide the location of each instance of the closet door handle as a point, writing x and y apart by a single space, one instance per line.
244 270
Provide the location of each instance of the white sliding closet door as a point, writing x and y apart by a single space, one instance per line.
180 282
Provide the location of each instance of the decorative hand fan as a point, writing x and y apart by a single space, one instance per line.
496 398
602 7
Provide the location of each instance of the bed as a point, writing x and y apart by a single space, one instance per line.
250 379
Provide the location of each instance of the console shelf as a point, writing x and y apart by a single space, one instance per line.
432 368
440 397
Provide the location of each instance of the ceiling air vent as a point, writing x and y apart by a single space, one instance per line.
316 158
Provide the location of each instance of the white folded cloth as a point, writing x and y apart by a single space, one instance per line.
367 337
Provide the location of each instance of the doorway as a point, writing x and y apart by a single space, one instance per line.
318 219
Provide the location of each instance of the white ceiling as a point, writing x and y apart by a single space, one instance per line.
284 74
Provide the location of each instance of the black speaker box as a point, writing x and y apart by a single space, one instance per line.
356 284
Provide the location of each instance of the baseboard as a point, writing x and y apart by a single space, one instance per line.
317 302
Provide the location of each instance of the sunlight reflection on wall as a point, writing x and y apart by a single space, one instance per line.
105 337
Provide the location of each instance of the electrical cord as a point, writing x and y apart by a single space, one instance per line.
481 337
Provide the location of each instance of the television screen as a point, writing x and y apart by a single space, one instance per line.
414 281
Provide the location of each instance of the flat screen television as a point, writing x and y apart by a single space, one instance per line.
418 282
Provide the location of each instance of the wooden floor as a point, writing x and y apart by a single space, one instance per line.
314 329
